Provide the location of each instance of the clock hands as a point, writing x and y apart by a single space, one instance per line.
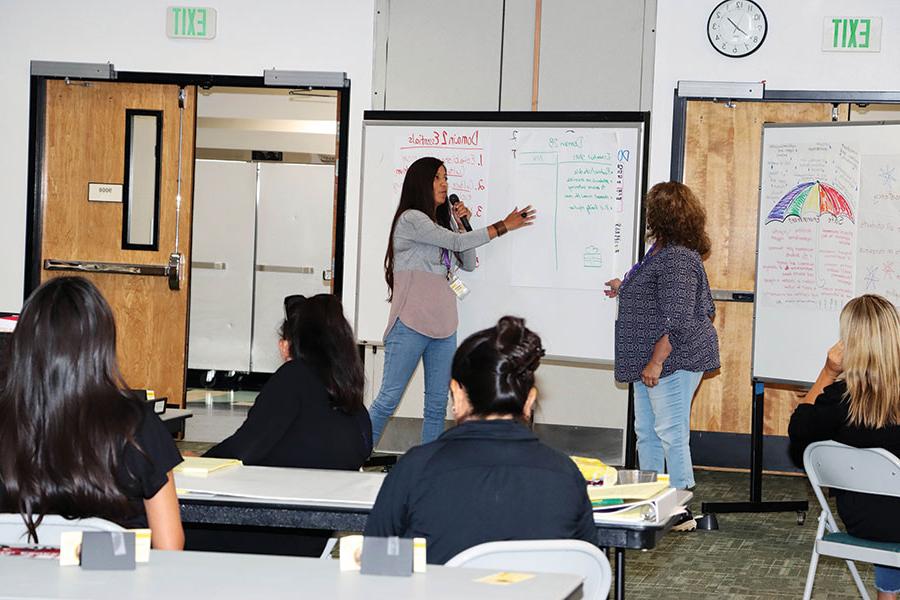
733 24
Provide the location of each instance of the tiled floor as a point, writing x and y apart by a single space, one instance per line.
216 414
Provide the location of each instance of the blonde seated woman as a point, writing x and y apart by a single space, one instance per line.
73 440
857 402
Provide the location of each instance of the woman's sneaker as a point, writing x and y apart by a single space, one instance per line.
685 521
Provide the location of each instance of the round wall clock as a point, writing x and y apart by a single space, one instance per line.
737 28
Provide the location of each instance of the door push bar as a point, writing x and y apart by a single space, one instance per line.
171 270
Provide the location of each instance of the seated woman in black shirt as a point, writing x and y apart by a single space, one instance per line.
310 413
489 478
73 442
857 402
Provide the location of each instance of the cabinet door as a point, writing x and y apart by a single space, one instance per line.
222 267
443 56
294 244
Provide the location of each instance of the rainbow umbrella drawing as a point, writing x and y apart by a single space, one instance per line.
811 198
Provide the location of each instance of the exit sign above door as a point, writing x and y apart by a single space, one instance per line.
191 22
851 34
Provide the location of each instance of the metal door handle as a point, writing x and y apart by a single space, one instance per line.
171 270
216 266
284 269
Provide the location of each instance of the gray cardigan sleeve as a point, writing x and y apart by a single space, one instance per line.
415 225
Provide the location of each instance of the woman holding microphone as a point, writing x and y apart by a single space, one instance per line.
425 251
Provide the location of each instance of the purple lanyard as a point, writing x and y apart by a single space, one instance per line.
638 264
445 259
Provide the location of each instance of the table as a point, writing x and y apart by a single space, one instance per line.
173 575
174 419
621 537
341 500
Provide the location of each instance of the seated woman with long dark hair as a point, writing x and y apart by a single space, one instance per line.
489 478
310 413
73 441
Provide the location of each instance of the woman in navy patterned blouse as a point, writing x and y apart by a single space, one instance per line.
665 339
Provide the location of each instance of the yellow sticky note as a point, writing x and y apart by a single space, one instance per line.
505 578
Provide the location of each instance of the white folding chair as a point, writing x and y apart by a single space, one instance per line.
866 470
14 532
543 556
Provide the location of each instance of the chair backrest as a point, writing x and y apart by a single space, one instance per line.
14 532
868 470
543 556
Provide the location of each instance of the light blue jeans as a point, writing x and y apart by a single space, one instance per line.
403 348
662 422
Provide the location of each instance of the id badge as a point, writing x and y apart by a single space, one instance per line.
459 288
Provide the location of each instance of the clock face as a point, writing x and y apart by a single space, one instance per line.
737 28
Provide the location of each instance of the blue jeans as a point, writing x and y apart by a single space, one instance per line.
662 422
403 348
887 579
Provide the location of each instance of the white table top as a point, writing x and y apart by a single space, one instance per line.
171 575
308 487
176 413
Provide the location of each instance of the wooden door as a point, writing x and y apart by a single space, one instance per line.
722 161
85 142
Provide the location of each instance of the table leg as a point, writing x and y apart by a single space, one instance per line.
620 573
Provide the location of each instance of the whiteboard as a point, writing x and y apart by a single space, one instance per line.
828 230
583 177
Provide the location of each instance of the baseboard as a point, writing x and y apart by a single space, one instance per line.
732 450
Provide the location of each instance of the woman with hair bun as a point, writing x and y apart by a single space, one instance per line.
489 478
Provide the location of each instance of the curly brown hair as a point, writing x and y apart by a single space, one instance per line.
676 217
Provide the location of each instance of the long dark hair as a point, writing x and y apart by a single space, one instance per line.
417 194
496 367
319 335
64 414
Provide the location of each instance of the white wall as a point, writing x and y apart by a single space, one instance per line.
791 57
307 35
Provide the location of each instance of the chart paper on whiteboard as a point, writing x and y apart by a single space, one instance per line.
829 222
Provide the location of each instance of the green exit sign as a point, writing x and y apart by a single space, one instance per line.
191 22
851 34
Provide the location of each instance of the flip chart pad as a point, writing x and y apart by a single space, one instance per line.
583 174
829 230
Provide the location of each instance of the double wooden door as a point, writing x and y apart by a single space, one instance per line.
85 154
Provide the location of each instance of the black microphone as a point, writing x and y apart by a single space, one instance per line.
453 199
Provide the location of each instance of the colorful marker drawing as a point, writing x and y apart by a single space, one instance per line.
812 198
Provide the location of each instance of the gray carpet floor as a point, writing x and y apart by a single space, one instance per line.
751 556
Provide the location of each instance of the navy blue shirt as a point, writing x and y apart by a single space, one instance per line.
482 481
667 293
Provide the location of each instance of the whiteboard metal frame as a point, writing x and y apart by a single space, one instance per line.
637 119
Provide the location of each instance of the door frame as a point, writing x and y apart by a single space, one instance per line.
37 137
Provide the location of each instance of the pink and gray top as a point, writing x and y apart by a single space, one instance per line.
422 297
